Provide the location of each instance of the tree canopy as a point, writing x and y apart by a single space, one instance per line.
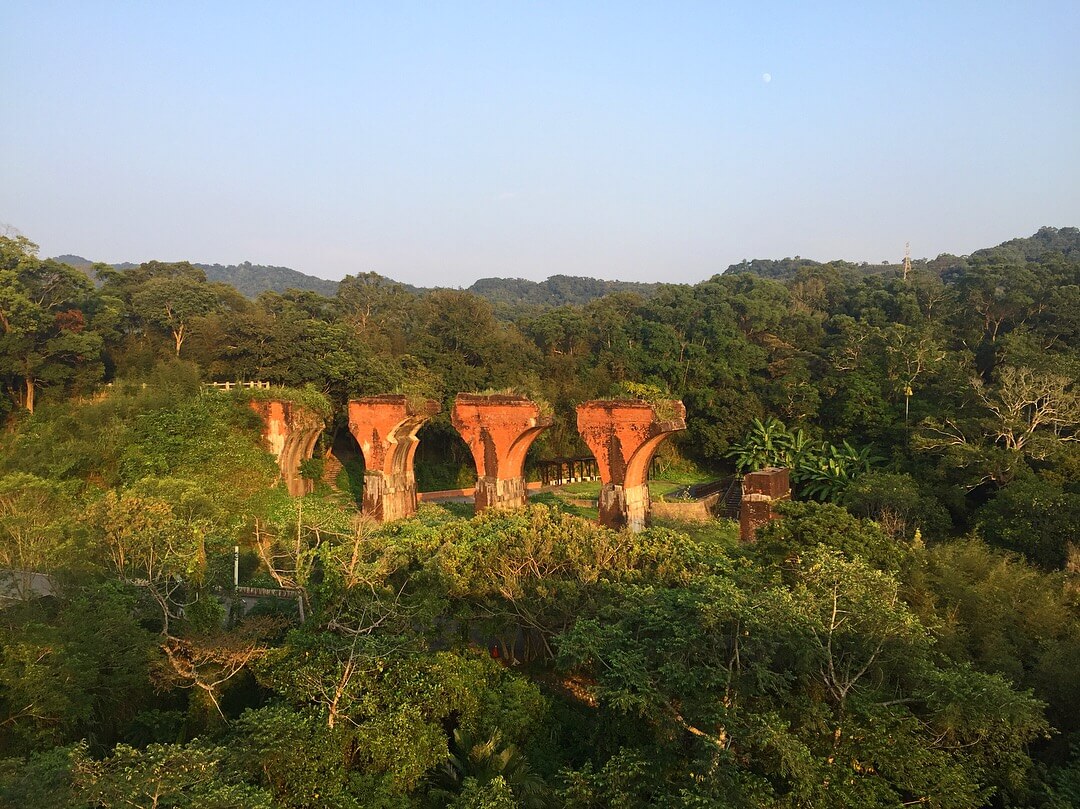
907 633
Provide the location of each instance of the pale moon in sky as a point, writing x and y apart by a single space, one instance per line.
766 77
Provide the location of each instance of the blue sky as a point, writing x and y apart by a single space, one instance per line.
437 143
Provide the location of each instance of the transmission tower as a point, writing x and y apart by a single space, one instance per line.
907 259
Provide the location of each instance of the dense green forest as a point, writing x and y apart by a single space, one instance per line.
907 634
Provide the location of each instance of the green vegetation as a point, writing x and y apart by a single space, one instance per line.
306 396
558 290
819 470
657 398
913 640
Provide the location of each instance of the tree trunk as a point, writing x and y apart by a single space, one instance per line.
30 389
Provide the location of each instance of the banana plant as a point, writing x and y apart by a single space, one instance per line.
820 470
825 476
768 443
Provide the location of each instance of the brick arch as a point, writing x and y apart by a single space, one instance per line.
637 468
290 432
499 429
623 435
385 428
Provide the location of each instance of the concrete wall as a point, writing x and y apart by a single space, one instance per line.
689 511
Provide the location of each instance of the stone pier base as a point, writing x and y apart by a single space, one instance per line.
499 494
624 506
389 497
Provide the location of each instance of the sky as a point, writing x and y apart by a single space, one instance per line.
437 143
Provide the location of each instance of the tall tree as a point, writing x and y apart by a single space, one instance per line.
171 298
43 336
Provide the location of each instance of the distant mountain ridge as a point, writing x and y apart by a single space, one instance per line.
249 279
560 290
253 279
1046 239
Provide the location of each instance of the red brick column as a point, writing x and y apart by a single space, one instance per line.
385 427
761 492
499 430
290 432
624 435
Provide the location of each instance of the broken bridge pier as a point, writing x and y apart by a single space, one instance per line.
499 430
761 492
290 431
623 435
385 427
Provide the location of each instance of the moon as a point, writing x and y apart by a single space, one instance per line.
766 77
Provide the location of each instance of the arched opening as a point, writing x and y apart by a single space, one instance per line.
343 460
639 467
443 459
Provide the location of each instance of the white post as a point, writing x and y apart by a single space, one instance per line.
236 566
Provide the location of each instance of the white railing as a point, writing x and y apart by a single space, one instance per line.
238 385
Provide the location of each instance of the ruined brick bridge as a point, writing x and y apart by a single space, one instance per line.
623 435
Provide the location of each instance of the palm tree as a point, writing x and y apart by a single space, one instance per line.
484 761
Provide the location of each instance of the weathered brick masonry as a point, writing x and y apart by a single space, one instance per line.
290 432
499 430
624 434
761 492
385 427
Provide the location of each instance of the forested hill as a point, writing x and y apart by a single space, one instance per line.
907 634
1047 239
558 290
252 279
249 279
785 269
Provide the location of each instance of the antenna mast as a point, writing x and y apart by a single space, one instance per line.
907 259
